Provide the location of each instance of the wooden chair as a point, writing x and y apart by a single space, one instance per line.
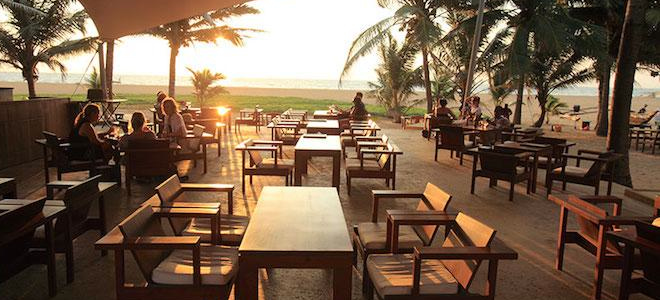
593 223
437 272
371 142
173 193
452 138
559 147
259 166
252 118
647 240
601 168
370 237
14 242
148 158
78 201
192 147
383 167
496 165
348 139
61 161
172 265
287 131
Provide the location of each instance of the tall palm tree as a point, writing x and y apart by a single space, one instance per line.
397 78
203 81
28 39
417 18
184 33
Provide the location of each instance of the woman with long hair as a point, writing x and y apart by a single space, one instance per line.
83 133
139 131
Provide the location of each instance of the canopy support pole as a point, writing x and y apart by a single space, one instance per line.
102 74
475 49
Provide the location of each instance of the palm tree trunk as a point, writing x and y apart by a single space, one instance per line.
109 65
29 77
603 99
427 80
626 64
542 102
174 51
517 115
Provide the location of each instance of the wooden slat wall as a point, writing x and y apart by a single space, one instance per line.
21 122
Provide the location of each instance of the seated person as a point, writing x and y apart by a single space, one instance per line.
473 110
442 111
501 121
160 96
140 131
358 111
174 125
83 133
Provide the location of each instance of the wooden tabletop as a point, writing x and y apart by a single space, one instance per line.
25 201
6 180
323 124
325 113
319 142
297 219
531 147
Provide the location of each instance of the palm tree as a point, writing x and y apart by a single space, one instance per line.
417 18
184 33
397 78
203 82
93 80
554 106
28 39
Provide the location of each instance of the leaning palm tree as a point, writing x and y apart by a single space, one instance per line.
397 78
203 81
417 18
184 33
28 39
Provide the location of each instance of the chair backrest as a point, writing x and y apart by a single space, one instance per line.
467 232
599 167
384 138
384 158
557 149
451 136
587 227
434 199
78 200
169 189
498 162
12 220
198 132
650 261
150 158
143 223
14 247
255 156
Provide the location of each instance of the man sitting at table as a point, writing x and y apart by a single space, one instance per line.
160 96
358 111
140 131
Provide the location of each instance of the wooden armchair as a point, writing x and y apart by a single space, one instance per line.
287 131
383 167
452 138
192 147
370 237
593 222
348 139
174 267
61 161
230 230
250 118
437 272
148 158
647 240
495 165
603 163
371 142
264 166
559 147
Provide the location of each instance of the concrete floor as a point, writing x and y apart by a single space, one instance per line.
528 225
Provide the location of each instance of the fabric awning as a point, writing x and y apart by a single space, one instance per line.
117 18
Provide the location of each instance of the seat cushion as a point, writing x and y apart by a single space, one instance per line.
232 228
392 274
572 171
520 170
543 160
281 163
372 236
218 266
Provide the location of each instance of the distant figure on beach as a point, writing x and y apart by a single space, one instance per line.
643 109
174 126
358 111
160 96
140 131
83 133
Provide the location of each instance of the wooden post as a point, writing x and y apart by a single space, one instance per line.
102 71
109 66
475 49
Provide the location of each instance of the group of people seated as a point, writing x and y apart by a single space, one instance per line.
470 113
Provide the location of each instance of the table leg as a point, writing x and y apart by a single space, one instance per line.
68 253
205 160
247 287
301 163
535 172
219 132
46 164
342 282
336 164
50 258
626 271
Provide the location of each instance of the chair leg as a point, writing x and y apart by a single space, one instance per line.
474 179
436 154
597 188
387 182
529 187
461 158
242 178
393 182
250 179
365 275
609 188
563 185
513 185
348 183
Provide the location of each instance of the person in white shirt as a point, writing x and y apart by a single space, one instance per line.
174 126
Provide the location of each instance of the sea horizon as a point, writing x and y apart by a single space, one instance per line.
279 83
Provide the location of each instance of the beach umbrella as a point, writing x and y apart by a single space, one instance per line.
118 18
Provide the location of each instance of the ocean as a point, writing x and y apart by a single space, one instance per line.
327 84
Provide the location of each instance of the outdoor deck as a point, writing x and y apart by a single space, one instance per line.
528 225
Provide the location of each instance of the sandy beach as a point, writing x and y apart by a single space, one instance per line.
530 109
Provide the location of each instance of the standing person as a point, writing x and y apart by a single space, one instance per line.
358 111
501 120
83 133
507 111
174 126
475 109
140 131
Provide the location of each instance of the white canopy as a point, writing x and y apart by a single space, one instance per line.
117 18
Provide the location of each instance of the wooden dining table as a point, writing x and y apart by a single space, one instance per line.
323 126
310 145
326 114
298 228
537 151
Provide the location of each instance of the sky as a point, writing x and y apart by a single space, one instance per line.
301 39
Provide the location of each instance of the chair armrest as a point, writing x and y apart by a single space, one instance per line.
376 151
262 142
630 238
161 242
623 220
589 158
206 187
464 253
368 138
601 199
186 212
394 221
586 151
376 195
260 148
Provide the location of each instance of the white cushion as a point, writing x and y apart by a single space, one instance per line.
373 236
218 266
520 170
572 171
392 274
232 228
270 163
